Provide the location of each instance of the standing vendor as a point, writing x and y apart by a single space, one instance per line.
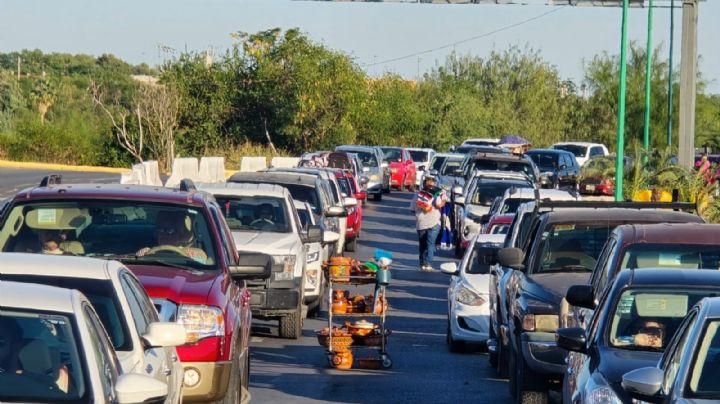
426 205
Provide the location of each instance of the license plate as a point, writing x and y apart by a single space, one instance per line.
589 187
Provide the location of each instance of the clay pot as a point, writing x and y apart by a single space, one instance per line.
339 306
342 360
338 294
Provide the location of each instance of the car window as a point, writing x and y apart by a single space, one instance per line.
571 247
149 312
449 167
546 162
437 162
169 234
646 319
687 256
136 308
671 362
577 150
103 355
513 166
511 205
345 186
596 151
485 193
601 272
255 213
392 154
419 156
228 247
483 257
29 341
704 381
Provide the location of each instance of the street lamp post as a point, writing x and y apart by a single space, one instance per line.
619 169
648 71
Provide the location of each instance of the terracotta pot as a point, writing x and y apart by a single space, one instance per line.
338 294
339 306
342 360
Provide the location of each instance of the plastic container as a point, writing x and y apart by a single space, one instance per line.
383 277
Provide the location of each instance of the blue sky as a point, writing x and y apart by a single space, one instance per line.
132 29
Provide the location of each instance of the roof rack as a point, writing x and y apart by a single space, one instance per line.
52 179
687 206
187 185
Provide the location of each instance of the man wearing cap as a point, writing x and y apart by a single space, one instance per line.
426 206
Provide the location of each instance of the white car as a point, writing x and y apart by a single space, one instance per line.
469 292
514 197
583 151
126 311
422 159
58 351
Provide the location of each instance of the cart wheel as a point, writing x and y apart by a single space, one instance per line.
387 362
330 359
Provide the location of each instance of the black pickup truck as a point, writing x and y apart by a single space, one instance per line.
563 244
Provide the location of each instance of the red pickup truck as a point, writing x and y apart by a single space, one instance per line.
178 245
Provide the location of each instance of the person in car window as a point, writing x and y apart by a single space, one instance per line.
650 334
265 216
51 240
173 232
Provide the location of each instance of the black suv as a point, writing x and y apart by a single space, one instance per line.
564 240
496 162
558 168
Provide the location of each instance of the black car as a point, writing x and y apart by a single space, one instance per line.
638 317
558 168
562 248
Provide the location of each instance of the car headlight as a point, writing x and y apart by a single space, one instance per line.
312 257
470 229
283 267
201 321
540 323
469 297
603 395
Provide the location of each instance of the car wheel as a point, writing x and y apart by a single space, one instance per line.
378 197
523 380
401 187
453 345
351 245
291 325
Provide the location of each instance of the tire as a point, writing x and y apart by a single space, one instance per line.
523 377
378 197
454 346
291 325
350 246
493 357
401 187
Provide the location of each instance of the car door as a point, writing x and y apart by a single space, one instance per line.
104 362
157 362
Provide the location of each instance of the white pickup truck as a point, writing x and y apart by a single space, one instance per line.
263 218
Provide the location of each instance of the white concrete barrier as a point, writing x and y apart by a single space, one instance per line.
136 175
253 164
151 173
284 162
185 167
212 169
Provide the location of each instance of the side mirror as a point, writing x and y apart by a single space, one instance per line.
314 234
457 190
460 200
330 237
164 335
572 339
365 169
581 296
434 173
449 268
336 211
644 384
484 219
362 195
511 257
139 388
252 265
349 201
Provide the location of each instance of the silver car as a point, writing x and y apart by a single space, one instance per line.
372 167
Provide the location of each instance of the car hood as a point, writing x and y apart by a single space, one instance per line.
266 242
479 282
552 287
614 363
177 285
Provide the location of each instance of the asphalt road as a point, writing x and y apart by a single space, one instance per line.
423 370
284 371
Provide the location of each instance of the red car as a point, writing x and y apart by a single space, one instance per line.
499 224
402 168
349 187
180 248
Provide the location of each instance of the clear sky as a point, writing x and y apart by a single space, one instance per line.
369 32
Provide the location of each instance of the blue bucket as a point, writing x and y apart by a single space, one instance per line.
382 254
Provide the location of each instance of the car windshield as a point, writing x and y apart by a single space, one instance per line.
419 156
255 213
704 381
511 205
345 186
39 358
450 167
483 257
486 192
367 159
646 319
392 154
577 150
437 162
131 231
572 247
690 256
101 294
500 228
304 216
307 194
513 166
546 162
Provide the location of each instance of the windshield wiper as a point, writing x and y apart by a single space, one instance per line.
568 268
132 258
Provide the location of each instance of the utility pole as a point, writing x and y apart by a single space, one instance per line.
648 72
418 69
670 75
688 83
18 72
620 152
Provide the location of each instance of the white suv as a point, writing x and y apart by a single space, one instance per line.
583 151
263 219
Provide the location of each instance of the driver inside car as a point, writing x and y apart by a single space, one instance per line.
264 216
173 232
